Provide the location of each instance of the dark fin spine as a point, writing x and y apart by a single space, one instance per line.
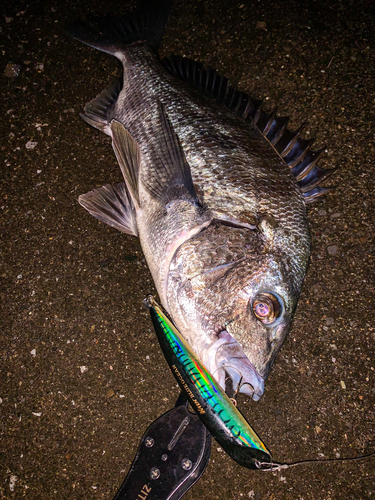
112 35
265 122
288 142
316 193
271 123
289 145
257 113
308 162
275 134
97 111
299 148
314 178
128 156
113 206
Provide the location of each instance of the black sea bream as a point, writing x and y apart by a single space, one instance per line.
214 188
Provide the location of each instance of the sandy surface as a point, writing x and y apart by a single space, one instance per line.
81 373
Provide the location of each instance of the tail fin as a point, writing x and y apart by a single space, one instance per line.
145 24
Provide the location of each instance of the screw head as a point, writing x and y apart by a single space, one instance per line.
164 457
154 473
149 442
186 464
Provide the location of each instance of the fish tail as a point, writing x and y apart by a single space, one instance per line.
145 24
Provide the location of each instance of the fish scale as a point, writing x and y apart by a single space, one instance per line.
211 189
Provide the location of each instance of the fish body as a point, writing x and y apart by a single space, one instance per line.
211 195
212 405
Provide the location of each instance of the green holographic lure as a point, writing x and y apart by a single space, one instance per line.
212 405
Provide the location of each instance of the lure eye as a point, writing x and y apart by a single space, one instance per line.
266 308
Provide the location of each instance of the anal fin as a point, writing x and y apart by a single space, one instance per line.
112 205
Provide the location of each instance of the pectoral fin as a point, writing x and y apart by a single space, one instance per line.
169 177
112 205
128 156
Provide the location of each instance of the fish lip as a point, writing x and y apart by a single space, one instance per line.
245 377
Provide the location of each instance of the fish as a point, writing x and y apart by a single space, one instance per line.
218 413
216 190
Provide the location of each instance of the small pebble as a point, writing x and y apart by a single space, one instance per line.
332 250
12 481
110 393
31 145
343 386
83 369
12 70
261 25
33 353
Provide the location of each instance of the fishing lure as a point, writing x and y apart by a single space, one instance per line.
212 405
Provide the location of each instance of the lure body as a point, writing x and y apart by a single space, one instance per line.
212 405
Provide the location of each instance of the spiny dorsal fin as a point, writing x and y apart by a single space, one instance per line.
112 205
98 111
128 156
315 193
294 150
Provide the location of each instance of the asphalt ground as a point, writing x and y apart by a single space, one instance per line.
82 375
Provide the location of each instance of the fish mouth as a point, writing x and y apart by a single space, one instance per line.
226 357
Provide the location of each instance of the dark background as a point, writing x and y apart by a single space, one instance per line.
72 288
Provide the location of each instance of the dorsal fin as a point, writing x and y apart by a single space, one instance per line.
289 145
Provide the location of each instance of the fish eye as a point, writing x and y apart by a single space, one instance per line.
266 308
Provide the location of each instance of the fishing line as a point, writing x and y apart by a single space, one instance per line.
274 466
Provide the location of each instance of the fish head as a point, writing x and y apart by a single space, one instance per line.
236 306
257 320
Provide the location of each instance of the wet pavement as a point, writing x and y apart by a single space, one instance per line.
82 375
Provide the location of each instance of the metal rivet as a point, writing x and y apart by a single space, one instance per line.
164 457
149 442
186 464
154 473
